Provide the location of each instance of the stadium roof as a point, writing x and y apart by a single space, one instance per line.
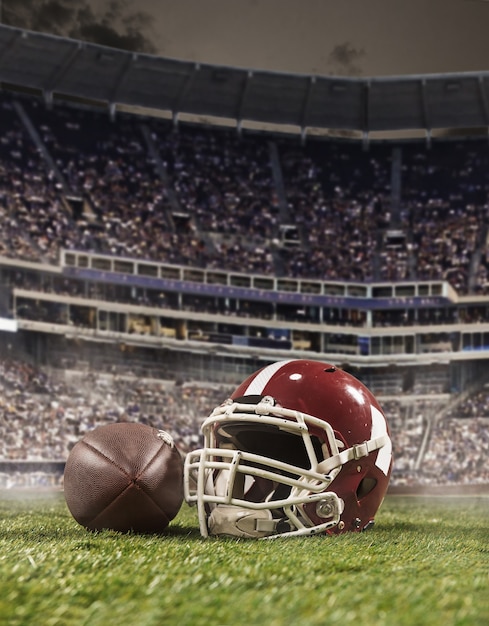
55 65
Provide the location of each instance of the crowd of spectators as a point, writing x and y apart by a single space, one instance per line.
31 210
225 183
212 197
458 452
43 415
407 424
336 197
446 208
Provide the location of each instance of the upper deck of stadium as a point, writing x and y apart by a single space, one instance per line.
359 107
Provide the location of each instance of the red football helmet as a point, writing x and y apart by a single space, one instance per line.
300 448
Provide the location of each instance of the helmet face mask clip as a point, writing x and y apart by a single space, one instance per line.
269 468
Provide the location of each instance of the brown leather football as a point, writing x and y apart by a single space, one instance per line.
125 477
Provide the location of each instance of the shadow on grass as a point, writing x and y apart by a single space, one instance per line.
41 530
172 532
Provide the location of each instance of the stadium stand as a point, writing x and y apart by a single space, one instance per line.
207 197
42 415
149 266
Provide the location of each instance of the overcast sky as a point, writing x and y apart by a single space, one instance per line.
328 37
344 37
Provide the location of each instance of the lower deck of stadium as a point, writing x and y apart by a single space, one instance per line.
50 398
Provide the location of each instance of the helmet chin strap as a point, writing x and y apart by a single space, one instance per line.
233 521
357 451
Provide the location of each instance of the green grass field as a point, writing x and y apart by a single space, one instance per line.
425 563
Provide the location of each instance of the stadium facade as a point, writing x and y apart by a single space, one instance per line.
296 310
192 322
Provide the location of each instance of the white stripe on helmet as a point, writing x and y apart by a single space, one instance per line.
260 381
379 428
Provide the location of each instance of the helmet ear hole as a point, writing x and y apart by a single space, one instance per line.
365 487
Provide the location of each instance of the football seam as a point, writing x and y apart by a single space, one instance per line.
104 456
150 462
132 481
94 520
